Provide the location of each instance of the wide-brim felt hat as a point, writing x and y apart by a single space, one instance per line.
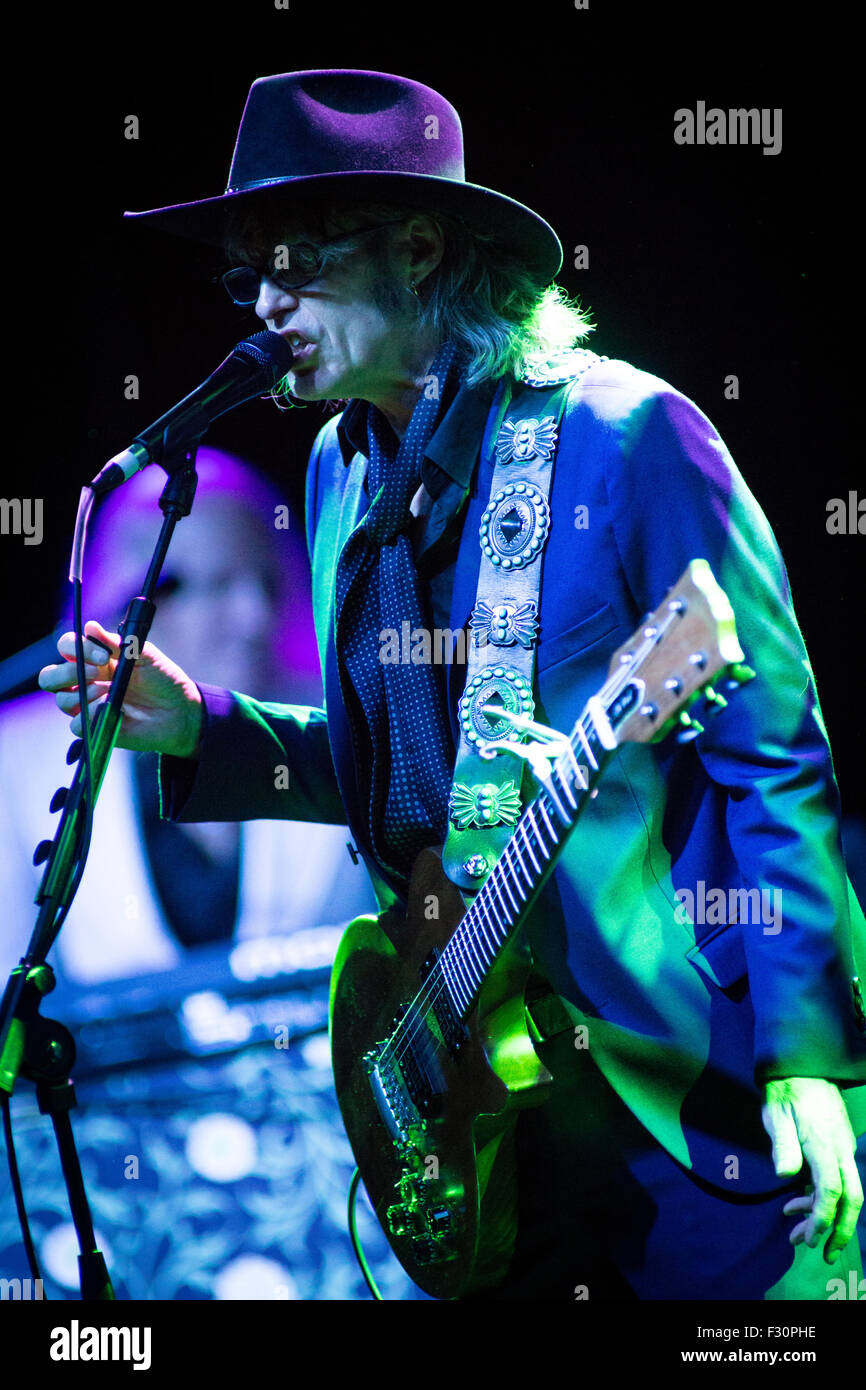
346 135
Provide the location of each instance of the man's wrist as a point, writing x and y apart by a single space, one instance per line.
190 746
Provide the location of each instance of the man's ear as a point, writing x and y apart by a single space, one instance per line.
426 246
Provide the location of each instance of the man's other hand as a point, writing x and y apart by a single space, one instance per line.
806 1119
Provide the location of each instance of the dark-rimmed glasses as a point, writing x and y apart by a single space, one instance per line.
305 263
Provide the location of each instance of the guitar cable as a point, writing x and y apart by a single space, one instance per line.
356 1243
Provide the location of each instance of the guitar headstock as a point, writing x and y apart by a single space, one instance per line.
672 658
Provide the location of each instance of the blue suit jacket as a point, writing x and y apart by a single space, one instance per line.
684 1020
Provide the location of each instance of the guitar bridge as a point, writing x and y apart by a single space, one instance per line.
390 1096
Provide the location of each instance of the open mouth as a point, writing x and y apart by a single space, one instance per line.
301 349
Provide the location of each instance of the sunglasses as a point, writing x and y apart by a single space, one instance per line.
305 262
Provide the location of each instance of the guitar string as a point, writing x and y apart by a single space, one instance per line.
405 1032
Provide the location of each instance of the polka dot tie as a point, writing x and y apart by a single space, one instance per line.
397 709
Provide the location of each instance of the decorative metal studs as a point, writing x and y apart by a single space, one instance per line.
514 526
502 685
475 866
521 440
503 624
484 804
560 367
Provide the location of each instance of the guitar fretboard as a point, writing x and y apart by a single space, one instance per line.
530 854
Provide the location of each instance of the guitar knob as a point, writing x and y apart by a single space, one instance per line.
649 710
42 851
58 798
74 751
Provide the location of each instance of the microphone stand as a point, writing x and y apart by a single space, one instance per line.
42 1049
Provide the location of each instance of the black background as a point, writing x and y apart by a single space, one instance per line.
703 261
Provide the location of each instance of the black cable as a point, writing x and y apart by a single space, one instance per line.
15 1176
356 1244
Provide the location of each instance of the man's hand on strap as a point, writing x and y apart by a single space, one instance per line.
806 1119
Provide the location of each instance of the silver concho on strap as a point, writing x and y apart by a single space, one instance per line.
521 440
503 624
514 526
502 685
484 804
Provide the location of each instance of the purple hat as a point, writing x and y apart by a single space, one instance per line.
359 135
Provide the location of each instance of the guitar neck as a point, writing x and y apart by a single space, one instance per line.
653 678
502 903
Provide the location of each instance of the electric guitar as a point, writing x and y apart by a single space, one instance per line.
431 1051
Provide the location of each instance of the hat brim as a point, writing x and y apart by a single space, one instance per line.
532 240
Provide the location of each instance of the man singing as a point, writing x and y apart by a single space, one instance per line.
699 1145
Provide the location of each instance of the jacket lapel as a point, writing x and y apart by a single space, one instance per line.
341 510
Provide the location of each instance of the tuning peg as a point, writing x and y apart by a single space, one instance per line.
739 675
74 751
691 728
715 702
42 851
58 798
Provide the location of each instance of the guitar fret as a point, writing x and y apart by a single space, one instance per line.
505 883
530 815
585 743
466 987
521 864
487 905
514 879
453 987
528 843
495 886
565 784
483 933
470 938
473 975
483 906
540 803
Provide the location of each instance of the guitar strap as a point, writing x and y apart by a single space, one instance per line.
485 802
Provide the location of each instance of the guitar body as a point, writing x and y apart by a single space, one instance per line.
431 1119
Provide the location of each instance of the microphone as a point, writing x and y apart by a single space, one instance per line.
251 369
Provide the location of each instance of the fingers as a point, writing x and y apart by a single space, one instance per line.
797 1204
69 701
848 1209
109 641
838 1196
825 1201
100 647
833 1205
